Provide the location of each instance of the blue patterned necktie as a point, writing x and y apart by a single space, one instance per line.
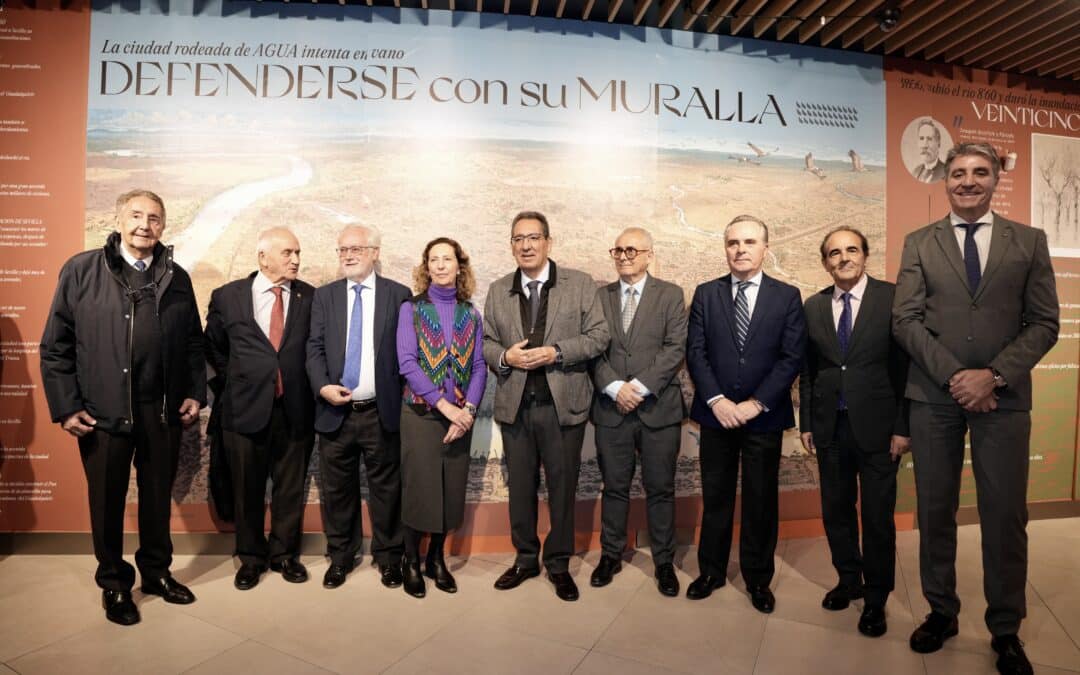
140 265
971 256
742 314
843 328
350 377
843 335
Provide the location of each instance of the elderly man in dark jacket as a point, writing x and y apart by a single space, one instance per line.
123 370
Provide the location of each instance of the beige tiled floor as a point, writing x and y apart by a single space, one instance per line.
50 620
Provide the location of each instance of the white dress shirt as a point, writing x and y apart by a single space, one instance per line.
365 390
542 278
857 293
612 389
751 290
983 235
262 299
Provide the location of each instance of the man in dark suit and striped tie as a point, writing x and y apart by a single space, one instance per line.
745 347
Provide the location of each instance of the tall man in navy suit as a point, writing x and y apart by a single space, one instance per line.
256 340
352 365
744 347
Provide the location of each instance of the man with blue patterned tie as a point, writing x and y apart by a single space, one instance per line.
976 308
352 366
852 414
744 348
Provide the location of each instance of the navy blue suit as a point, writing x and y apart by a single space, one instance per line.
764 370
351 431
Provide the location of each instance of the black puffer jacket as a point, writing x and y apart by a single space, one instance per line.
86 347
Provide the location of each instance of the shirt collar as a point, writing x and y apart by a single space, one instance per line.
856 291
368 282
130 259
542 277
639 286
986 219
262 283
754 280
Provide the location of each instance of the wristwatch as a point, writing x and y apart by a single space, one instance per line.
558 356
999 379
471 408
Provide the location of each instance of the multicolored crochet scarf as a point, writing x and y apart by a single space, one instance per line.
432 355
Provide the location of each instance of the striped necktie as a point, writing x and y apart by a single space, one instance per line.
742 314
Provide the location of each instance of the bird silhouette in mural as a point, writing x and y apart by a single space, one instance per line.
856 162
759 152
742 159
812 167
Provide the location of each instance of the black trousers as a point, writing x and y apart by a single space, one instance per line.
721 452
107 458
281 453
1000 442
847 472
536 439
361 435
616 452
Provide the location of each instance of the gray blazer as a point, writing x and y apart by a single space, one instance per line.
1008 324
575 323
652 352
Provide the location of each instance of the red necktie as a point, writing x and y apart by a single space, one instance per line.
277 328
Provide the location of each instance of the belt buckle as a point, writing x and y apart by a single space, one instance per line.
361 406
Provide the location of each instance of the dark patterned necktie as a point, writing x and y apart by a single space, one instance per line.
843 336
534 303
742 314
971 256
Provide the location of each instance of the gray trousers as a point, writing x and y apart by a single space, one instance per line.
616 452
536 439
999 456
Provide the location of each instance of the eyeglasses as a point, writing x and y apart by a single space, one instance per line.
533 239
355 250
630 252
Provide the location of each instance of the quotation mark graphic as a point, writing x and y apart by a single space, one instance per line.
958 121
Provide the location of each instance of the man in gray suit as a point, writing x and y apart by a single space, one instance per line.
853 415
639 405
975 308
542 328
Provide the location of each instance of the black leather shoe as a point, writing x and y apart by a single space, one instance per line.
605 570
435 568
513 577
841 596
666 580
565 587
119 608
247 577
703 586
872 622
412 580
762 599
171 590
933 632
1011 657
390 575
335 576
292 570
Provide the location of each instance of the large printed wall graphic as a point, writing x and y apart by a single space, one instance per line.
244 116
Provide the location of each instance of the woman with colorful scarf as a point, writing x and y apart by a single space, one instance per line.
439 339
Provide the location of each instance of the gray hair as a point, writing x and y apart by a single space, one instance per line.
634 229
374 237
748 219
974 150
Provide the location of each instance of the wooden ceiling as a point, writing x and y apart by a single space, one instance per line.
1032 37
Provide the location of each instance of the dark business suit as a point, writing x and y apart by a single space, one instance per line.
1008 323
652 352
853 403
764 370
264 435
348 431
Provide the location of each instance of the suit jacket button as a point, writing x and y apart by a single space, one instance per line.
843 367
970 338
742 360
974 307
